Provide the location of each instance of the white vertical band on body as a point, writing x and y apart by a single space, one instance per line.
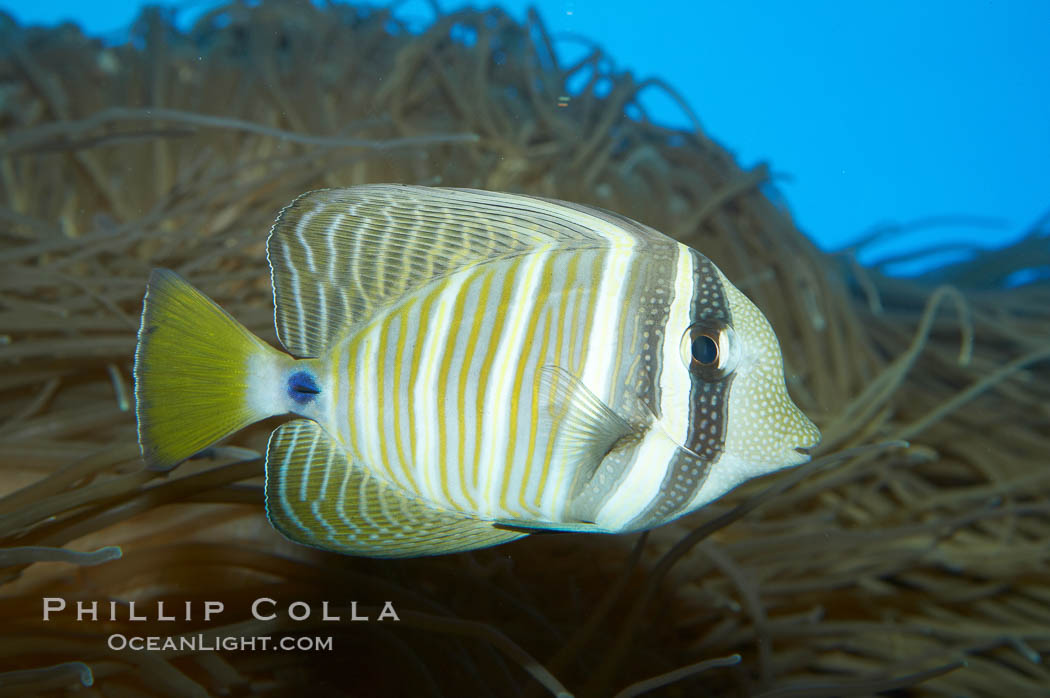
597 362
642 484
567 335
675 380
435 332
459 424
396 408
604 334
522 490
644 477
372 443
362 363
494 466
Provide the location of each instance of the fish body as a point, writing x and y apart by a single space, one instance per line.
471 366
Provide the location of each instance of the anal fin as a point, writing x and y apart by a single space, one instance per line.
533 526
318 496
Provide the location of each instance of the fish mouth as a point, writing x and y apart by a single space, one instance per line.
804 450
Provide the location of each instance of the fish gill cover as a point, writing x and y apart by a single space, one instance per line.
911 553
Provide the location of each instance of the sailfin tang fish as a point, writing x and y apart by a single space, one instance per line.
466 367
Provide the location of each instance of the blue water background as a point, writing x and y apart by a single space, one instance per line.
870 114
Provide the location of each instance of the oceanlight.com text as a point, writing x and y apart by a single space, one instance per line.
200 642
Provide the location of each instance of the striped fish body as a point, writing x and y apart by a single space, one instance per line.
474 366
445 391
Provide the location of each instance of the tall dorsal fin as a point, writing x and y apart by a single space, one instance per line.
339 255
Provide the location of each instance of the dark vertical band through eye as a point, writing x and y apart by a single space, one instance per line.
707 351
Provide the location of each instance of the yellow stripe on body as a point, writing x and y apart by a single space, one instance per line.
581 333
444 380
400 429
584 330
376 394
571 271
461 397
512 350
416 383
485 370
509 322
609 271
337 373
539 300
350 356
530 457
428 441
412 381
381 343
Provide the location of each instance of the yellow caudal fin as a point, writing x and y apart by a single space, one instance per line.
197 372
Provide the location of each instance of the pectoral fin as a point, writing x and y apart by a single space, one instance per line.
317 496
586 428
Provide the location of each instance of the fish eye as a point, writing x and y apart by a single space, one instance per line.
707 350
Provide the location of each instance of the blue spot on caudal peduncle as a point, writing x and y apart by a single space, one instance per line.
302 387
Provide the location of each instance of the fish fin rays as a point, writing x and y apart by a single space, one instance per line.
193 372
337 256
585 427
318 496
530 526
